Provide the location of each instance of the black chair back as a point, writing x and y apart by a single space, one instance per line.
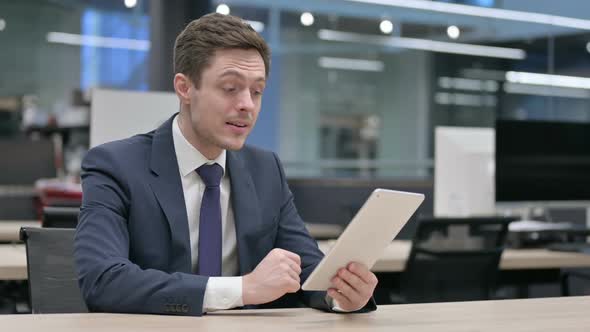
60 217
53 283
454 259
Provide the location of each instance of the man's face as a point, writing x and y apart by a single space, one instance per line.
224 108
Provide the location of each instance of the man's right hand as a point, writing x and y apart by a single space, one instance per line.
277 274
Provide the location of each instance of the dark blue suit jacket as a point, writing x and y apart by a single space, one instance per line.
132 247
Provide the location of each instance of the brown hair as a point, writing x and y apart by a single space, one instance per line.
197 43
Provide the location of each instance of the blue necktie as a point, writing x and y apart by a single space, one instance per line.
209 262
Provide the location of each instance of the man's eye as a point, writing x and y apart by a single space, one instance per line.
229 89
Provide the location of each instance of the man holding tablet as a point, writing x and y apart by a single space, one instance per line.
186 219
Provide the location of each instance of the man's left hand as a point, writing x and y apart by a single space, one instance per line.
353 286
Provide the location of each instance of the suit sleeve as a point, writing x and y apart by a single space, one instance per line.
108 280
293 236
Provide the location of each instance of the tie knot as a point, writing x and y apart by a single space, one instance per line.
210 174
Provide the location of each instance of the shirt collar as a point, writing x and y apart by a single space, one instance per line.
189 158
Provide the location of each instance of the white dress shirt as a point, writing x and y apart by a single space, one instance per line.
221 292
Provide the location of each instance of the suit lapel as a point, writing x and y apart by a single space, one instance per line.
167 187
245 205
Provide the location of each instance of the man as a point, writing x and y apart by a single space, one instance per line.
185 219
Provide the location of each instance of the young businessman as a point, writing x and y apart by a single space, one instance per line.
186 219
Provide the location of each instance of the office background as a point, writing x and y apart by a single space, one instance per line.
358 107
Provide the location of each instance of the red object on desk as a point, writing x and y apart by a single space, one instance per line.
57 192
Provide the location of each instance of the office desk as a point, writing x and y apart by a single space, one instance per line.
13 262
324 231
396 254
539 315
10 229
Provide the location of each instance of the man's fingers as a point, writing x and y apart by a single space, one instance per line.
353 280
294 275
346 289
296 268
293 257
289 255
363 272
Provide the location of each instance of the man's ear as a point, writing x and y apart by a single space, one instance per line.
182 85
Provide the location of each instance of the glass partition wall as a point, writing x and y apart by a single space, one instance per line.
362 84
356 87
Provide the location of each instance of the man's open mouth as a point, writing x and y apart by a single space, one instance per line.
237 124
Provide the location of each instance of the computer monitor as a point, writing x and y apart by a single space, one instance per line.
545 163
25 161
464 172
117 114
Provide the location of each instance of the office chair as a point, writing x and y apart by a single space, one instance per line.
567 275
453 259
60 217
53 284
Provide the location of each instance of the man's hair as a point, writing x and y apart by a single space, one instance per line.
195 46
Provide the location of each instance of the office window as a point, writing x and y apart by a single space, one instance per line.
120 60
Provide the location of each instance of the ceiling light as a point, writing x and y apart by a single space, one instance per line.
256 25
222 9
497 13
464 99
306 19
2 24
529 89
548 80
469 84
130 3
350 64
423 44
453 32
97 41
386 26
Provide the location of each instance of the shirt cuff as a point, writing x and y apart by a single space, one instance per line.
334 304
223 293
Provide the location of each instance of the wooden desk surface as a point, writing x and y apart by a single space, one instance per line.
13 262
533 315
10 229
324 231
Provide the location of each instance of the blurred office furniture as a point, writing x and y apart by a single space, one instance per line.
335 201
60 217
10 229
7 304
570 275
24 161
454 259
13 262
563 236
10 115
59 192
53 284
324 231
464 172
520 268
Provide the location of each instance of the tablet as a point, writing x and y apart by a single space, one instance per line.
373 227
